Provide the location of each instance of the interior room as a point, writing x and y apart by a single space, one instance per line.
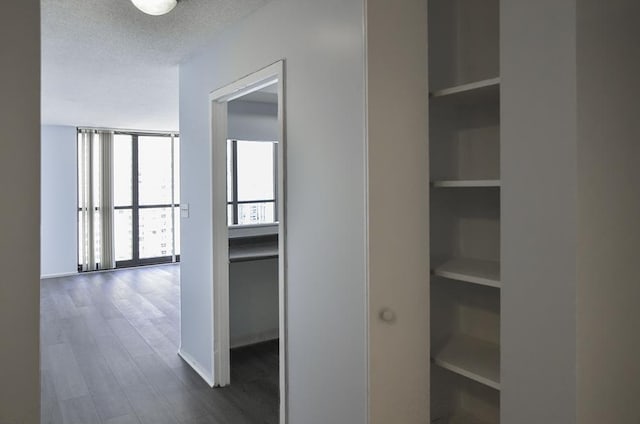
111 245
293 211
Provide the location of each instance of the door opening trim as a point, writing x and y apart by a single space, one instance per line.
218 101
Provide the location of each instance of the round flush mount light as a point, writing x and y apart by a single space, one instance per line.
155 7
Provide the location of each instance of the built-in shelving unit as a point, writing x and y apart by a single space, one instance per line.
477 271
464 150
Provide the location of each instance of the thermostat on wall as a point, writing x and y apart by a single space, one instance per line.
184 210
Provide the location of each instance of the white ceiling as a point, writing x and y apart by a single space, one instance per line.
106 64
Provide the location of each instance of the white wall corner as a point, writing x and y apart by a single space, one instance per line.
207 375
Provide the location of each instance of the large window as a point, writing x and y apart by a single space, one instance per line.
251 182
149 205
146 197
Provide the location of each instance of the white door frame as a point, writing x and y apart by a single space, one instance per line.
218 101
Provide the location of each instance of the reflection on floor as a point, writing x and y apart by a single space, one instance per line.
109 343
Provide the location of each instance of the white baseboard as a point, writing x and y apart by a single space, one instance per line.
265 336
60 275
197 367
71 274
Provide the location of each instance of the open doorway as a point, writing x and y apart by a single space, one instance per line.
247 146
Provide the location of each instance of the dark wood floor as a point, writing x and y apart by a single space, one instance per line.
109 345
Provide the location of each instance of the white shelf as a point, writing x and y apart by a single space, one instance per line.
472 358
486 273
492 83
465 183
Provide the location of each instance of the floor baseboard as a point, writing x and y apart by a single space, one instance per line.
197 367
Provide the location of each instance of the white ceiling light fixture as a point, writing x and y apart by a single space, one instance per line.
155 7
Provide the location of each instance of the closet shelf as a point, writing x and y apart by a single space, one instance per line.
483 85
477 271
465 183
473 358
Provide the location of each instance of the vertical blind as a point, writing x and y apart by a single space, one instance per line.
95 199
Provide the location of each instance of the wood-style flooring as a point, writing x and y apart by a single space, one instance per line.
109 344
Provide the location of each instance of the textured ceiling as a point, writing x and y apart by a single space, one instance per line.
106 64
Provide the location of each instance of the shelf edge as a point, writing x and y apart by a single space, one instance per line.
468 374
468 278
465 88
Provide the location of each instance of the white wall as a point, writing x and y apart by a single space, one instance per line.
252 121
322 43
20 212
253 301
59 226
539 211
608 339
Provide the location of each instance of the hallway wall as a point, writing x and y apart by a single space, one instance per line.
20 212
323 48
59 223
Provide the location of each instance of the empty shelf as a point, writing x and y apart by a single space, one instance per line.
474 271
465 183
472 358
492 83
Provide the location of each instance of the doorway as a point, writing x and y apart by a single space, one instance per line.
248 181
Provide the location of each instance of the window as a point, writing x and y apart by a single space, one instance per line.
251 182
158 202
146 209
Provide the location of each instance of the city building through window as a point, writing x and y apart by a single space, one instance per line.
251 182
